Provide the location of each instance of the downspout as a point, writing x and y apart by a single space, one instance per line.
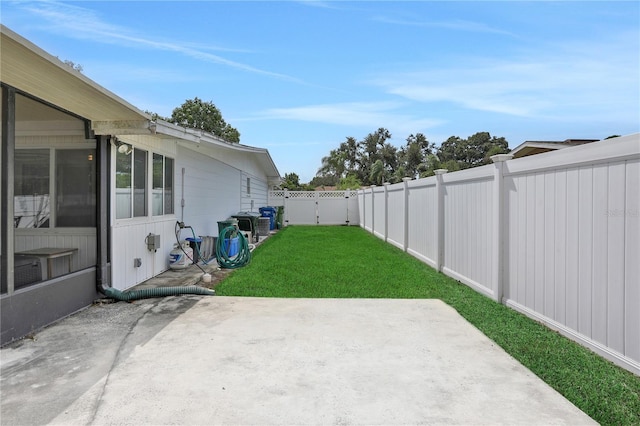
102 152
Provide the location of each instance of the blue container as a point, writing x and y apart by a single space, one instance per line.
231 246
194 243
269 212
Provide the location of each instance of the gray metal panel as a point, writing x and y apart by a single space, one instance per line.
32 308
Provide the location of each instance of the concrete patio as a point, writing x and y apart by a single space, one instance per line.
231 360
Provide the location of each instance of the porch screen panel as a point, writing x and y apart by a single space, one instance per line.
31 188
76 188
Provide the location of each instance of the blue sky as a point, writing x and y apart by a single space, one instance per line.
299 77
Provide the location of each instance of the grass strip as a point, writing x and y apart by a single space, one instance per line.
347 262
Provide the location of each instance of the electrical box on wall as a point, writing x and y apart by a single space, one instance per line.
153 242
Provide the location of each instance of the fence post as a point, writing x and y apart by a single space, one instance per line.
405 244
363 212
346 196
386 210
440 219
373 211
498 224
285 200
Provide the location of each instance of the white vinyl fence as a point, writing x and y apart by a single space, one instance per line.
555 236
317 207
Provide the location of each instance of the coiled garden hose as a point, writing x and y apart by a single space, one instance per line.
244 253
155 292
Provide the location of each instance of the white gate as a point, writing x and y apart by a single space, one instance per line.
317 207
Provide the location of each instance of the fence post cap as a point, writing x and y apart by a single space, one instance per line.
501 157
406 179
440 171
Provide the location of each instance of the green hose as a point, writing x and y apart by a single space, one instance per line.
244 254
155 292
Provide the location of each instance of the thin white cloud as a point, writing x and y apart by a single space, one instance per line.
355 114
318 3
454 25
82 23
563 79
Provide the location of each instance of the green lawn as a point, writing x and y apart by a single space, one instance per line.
346 262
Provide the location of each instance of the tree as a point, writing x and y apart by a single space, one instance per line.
371 150
196 114
471 152
291 182
413 155
341 161
324 181
349 182
373 160
377 173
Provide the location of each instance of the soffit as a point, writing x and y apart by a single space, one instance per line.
30 69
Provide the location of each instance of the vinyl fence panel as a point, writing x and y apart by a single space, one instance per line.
555 236
395 217
317 207
422 218
468 210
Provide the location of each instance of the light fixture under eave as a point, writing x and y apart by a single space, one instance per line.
124 148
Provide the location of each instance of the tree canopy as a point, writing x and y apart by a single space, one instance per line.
197 114
373 160
291 182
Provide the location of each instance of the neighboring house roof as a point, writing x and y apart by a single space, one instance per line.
538 147
30 69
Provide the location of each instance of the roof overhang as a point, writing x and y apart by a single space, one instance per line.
31 70
531 148
196 138
36 73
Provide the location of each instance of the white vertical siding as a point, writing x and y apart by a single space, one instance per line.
423 226
320 207
367 210
573 231
630 215
129 239
468 242
395 220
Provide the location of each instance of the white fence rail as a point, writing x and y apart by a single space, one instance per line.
317 207
555 236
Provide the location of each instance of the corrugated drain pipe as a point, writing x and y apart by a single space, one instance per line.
155 292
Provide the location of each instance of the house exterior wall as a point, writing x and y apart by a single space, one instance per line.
212 191
255 194
67 112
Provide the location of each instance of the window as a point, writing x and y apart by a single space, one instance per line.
75 188
131 182
31 188
74 178
162 185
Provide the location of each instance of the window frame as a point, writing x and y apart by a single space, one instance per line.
162 189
